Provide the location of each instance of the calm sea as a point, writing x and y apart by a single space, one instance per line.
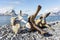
6 19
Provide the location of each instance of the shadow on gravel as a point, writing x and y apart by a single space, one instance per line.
47 35
26 31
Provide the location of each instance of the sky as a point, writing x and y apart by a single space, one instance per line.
29 6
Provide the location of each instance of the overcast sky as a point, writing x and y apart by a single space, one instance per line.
29 6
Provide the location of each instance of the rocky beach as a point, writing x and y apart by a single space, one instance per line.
7 34
29 20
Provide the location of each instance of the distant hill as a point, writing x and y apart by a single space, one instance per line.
25 15
9 12
55 13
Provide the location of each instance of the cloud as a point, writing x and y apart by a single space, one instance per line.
4 9
10 2
14 2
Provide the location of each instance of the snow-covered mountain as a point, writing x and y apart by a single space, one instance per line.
9 12
55 13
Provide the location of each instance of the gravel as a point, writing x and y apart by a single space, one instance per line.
7 34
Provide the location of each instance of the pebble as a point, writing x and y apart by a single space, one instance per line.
6 29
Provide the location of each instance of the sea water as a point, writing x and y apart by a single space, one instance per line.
6 19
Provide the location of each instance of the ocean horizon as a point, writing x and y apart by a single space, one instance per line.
6 19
